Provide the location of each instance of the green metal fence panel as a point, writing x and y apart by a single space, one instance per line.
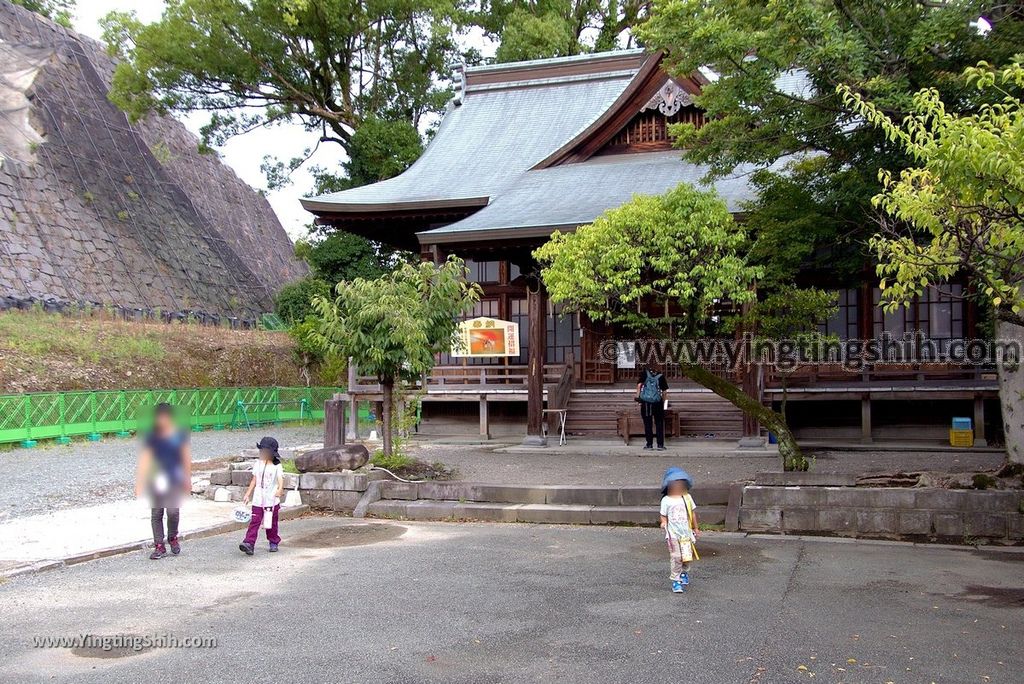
49 415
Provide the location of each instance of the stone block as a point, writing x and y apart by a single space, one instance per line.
850 497
333 459
948 524
425 509
624 515
582 495
408 491
760 519
220 477
352 482
991 501
914 522
712 515
1015 526
800 519
838 520
991 525
877 521
290 480
241 478
320 499
200 486
711 494
346 501
893 497
547 513
639 496
388 509
512 494
486 512
449 491
938 499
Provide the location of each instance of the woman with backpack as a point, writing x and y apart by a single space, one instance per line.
650 393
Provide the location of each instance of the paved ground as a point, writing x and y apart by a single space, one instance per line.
64 533
514 603
612 464
43 479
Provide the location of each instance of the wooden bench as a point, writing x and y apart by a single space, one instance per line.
629 423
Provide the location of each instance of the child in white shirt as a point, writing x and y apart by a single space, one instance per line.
265 490
679 520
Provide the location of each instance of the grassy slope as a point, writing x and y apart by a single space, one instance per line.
42 352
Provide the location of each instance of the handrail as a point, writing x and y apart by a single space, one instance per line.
558 398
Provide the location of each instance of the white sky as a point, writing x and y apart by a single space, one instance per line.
243 153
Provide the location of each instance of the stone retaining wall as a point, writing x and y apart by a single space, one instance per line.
890 513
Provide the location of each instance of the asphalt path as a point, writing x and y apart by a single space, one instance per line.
373 601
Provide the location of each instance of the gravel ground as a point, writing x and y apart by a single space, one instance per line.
646 468
468 603
54 477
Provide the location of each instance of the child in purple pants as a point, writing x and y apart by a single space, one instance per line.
265 490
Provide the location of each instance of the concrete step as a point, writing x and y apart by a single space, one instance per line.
572 495
570 514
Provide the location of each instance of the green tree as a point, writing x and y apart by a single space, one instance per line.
330 65
559 28
293 303
393 326
772 103
960 209
60 11
660 264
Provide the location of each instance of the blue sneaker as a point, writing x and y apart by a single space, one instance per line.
684 579
677 587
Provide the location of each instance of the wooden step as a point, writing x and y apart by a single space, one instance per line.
701 414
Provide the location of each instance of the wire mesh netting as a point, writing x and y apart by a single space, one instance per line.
50 415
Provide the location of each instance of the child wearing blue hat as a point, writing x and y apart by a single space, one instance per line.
679 520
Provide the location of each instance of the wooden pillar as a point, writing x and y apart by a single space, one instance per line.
865 419
979 421
353 405
485 427
537 310
334 422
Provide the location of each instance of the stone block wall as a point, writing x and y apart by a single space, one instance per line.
103 211
956 516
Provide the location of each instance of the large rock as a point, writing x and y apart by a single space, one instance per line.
331 459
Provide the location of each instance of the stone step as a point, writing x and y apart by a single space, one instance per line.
571 514
579 495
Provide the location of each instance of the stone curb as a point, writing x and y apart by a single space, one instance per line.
33 567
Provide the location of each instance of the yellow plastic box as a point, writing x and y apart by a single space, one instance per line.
961 438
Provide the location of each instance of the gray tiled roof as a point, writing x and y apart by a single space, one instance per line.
573 194
489 141
485 143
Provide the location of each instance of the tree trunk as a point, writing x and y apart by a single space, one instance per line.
1011 391
388 387
792 457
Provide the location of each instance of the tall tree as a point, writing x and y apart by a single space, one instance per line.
660 264
960 209
327 64
394 326
559 28
772 102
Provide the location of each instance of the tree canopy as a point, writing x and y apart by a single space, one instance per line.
394 326
772 102
328 64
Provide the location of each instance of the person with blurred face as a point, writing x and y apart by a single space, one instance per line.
165 474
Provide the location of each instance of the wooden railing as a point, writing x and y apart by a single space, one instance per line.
558 396
826 374
495 376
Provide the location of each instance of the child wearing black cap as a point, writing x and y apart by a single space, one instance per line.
265 490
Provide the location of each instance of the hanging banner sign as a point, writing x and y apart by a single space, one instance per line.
483 337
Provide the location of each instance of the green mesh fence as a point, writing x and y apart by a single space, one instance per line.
27 418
